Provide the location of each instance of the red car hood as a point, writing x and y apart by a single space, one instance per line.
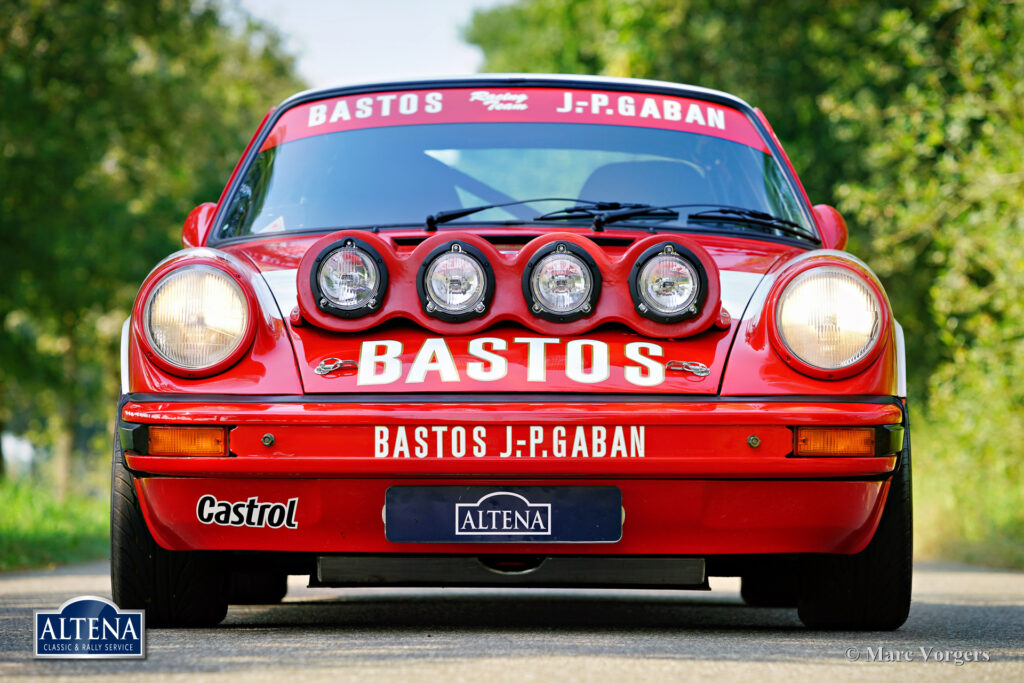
404 358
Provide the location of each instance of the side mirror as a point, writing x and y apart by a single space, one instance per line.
831 226
197 225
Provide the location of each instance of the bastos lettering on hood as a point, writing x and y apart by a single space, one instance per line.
587 361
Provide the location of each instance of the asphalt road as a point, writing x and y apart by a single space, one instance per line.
505 634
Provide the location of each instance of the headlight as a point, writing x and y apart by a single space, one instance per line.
455 283
562 284
196 317
666 285
349 279
828 317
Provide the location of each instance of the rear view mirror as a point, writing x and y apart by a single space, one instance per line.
197 225
831 226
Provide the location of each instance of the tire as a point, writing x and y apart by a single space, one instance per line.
771 589
176 588
265 588
869 591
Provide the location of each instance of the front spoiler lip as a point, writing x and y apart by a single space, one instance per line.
714 412
663 516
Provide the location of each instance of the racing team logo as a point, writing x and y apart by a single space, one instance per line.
88 627
500 101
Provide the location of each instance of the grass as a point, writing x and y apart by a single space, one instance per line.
37 530
968 501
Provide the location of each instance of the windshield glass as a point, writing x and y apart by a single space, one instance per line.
363 173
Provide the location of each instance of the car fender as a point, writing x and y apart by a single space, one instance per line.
755 367
267 367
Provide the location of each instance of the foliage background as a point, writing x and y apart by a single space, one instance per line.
908 117
121 116
118 118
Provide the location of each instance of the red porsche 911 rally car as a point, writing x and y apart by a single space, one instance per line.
513 331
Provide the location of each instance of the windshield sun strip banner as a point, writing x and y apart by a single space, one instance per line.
514 105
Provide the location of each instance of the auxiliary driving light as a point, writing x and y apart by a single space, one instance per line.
349 279
455 283
666 285
562 283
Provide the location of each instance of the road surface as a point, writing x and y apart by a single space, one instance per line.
505 634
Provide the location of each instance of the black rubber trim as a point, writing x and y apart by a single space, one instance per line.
122 400
134 437
889 439
461 397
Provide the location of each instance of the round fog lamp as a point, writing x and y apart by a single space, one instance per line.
561 284
455 284
349 279
668 284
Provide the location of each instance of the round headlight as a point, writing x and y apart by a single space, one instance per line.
563 284
455 283
348 278
828 317
668 284
196 317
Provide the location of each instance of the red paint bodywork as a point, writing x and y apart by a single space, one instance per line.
677 517
701 489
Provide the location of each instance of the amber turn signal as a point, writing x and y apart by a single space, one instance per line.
192 441
854 441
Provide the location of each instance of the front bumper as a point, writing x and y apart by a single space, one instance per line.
698 488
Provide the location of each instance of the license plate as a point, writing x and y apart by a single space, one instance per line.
512 514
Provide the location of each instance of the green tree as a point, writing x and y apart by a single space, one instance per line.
119 116
943 202
786 58
908 117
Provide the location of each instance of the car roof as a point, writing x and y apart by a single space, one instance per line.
521 80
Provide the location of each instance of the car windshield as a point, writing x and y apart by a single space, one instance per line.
398 174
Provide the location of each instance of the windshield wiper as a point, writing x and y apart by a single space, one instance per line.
604 213
440 217
612 212
753 217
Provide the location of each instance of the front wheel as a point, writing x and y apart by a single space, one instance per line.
176 588
868 591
